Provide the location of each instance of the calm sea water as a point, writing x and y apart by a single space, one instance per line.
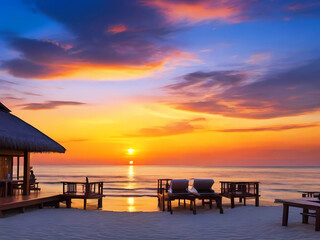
133 188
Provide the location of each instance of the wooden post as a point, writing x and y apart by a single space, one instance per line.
285 215
305 217
100 203
232 202
18 166
26 173
220 205
317 227
11 171
84 203
257 196
68 202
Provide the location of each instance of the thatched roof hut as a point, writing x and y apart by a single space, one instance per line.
17 140
17 135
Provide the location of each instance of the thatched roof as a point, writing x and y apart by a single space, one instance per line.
17 135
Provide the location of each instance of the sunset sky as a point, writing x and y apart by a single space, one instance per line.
192 82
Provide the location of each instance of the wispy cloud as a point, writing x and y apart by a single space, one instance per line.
5 82
197 11
176 128
74 140
49 105
270 128
258 58
115 29
31 94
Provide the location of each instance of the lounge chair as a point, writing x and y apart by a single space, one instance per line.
202 189
179 190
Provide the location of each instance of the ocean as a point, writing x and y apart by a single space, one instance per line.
133 188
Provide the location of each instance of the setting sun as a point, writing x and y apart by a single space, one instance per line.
130 151
131 162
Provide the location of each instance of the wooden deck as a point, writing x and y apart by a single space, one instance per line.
37 199
83 190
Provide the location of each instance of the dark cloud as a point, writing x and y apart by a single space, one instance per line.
209 79
49 105
140 43
270 128
294 92
27 69
171 129
127 33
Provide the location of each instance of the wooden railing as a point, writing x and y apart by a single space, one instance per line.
83 188
251 188
163 185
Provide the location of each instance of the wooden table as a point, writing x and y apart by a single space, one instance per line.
306 204
241 190
7 183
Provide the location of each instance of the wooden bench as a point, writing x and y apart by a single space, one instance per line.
306 204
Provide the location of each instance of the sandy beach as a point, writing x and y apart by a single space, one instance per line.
239 223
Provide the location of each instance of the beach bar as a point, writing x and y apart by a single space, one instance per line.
17 140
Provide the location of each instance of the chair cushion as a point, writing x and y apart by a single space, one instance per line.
179 185
202 185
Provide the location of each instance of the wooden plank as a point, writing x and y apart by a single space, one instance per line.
29 202
10 153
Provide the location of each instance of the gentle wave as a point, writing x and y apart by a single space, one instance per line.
139 181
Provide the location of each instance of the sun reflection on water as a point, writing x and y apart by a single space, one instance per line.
131 173
131 206
131 185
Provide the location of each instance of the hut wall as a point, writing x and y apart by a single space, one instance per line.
6 167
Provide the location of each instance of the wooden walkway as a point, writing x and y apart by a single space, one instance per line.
37 199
